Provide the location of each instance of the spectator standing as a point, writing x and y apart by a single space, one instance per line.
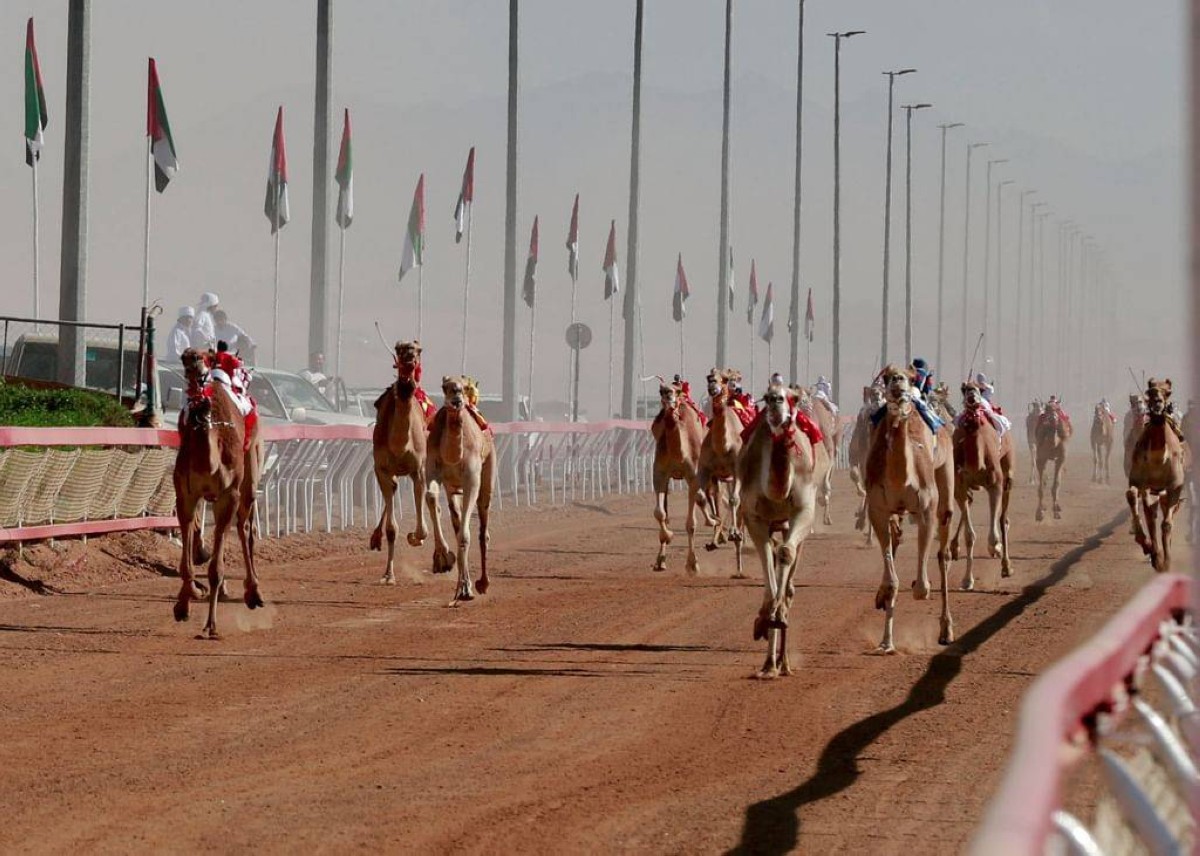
180 337
233 335
204 334
315 373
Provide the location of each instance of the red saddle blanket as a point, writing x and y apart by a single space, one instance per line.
801 421
745 409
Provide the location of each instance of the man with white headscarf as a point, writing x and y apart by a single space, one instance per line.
986 389
824 391
204 334
180 337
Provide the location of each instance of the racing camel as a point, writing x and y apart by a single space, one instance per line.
1157 475
461 458
909 471
1031 422
860 444
678 432
220 460
718 458
818 410
781 467
1053 432
1135 419
1102 443
403 414
983 460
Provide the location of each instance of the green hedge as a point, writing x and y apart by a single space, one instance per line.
24 406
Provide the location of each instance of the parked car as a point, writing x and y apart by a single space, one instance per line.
35 356
282 398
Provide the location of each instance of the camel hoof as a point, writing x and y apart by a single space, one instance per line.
738 576
947 636
482 584
920 592
414 540
1006 570
1057 514
885 649
377 540
720 539
660 564
181 610
253 599
463 595
766 674
735 537
786 671
387 580
710 547
968 584
1040 516
692 567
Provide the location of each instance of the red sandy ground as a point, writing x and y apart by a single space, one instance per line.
585 704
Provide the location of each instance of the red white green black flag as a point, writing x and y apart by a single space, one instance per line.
345 177
276 205
35 99
158 129
413 254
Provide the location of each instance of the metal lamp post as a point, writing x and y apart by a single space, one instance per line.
837 205
908 111
942 241
887 216
987 251
1022 356
971 147
999 278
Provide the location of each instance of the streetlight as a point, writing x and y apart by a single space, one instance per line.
908 111
942 240
837 204
1024 375
999 278
987 251
887 214
966 255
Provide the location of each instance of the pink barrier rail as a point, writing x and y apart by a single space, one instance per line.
1054 713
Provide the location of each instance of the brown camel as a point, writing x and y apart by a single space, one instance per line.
818 410
460 457
1031 422
678 434
1158 473
220 459
982 460
1053 432
909 471
403 414
781 468
860 444
1102 443
1135 420
718 460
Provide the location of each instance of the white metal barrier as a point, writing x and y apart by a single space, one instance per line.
1125 702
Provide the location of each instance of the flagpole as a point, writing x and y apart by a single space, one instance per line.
807 357
467 284
36 300
421 297
572 363
532 328
751 326
146 243
341 296
611 302
275 302
681 361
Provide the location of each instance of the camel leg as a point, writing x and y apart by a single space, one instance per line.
1139 533
944 515
1040 515
787 561
223 514
1058 468
1170 504
693 564
885 597
1005 496
454 502
827 494
660 514
964 517
1150 507
443 559
710 497
920 586
735 532
417 537
188 590
484 508
387 523
964 523
994 492
245 530
466 587
760 536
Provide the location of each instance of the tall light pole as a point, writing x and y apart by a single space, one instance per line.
987 251
1022 355
999 278
887 217
723 283
942 242
318 267
837 205
966 291
509 350
632 307
794 363
1041 337
908 111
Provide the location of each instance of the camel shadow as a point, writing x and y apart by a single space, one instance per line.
773 825
41 587
613 647
515 671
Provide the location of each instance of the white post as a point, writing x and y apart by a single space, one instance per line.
421 299
611 302
37 306
146 243
682 375
807 356
570 360
275 302
770 359
341 298
467 286
750 385
532 330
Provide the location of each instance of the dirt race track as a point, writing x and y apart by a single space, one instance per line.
585 704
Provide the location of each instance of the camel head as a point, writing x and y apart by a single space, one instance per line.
972 396
897 382
1158 394
195 369
778 404
670 393
718 381
873 396
454 388
1136 403
1035 406
802 397
408 361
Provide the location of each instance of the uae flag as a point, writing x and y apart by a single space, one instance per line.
531 266
35 99
158 129
753 300
466 197
573 242
679 301
414 236
612 282
345 177
766 324
276 206
810 321
729 278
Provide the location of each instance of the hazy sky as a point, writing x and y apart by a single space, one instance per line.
1084 96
